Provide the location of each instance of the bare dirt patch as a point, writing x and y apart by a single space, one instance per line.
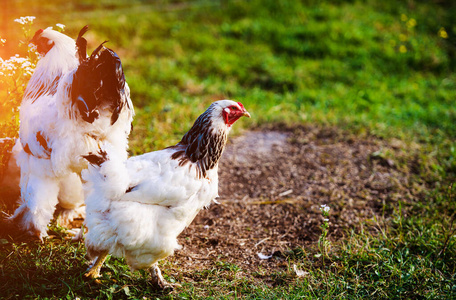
272 184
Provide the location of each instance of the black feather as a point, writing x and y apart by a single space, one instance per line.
43 142
27 149
130 189
81 44
99 85
95 52
45 88
96 159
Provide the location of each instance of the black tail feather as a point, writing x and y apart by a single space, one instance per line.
99 84
97 159
81 44
83 31
95 52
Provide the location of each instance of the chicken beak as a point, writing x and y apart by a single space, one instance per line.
246 114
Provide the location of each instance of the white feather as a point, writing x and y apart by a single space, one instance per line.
144 223
50 179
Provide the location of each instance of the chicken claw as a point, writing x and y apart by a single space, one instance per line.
159 282
94 271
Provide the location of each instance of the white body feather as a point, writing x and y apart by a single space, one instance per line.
143 224
49 179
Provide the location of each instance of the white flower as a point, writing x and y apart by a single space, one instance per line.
326 220
25 20
61 26
325 208
32 47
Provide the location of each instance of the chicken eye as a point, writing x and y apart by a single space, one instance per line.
233 108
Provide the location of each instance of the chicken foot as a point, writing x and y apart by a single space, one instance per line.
158 281
94 271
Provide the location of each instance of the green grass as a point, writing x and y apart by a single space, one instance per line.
364 66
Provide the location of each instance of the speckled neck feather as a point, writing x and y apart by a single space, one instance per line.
202 144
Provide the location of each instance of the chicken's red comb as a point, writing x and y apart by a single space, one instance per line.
240 104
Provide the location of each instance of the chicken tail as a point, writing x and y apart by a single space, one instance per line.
99 83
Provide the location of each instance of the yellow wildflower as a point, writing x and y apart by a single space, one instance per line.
442 33
403 18
411 23
402 49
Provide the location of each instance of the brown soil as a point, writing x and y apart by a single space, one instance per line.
272 184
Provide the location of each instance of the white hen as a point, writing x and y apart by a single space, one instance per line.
136 209
72 104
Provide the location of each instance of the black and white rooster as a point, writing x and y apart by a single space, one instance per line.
72 104
137 208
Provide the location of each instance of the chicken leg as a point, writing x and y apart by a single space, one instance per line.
158 281
94 271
